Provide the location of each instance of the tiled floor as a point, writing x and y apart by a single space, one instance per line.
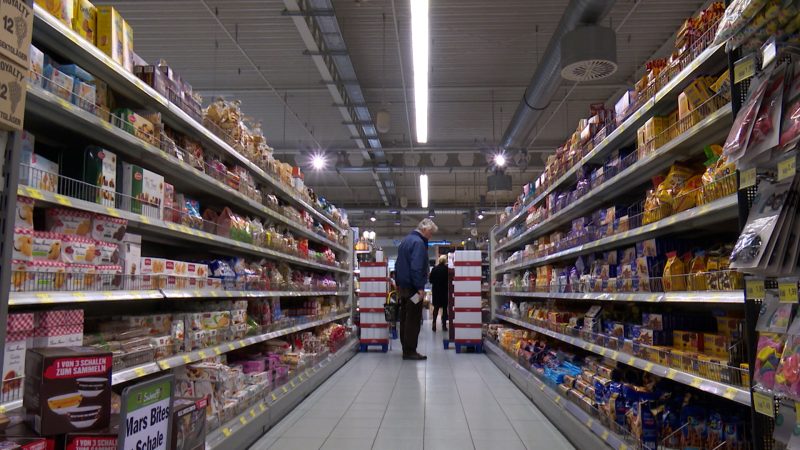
450 401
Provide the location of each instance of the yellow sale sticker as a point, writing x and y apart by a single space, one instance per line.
755 289
787 292
787 168
747 178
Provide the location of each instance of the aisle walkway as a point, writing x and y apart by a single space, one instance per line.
450 401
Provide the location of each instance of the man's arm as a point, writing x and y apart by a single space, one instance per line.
419 255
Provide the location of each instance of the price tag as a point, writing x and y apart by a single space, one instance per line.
242 420
274 397
589 423
285 389
261 407
112 211
144 219
34 193
755 289
139 372
226 431
631 360
696 382
744 68
217 351
61 200
186 359
202 354
604 435
764 404
648 367
787 292
671 374
292 383
557 400
747 178
797 413
787 168
730 393
253 413
231 347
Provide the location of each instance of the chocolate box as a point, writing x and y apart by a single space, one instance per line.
189 423
67 389
145 188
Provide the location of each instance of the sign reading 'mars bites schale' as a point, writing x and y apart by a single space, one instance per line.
146 417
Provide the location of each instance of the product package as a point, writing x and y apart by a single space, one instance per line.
110 33
143 190
67 389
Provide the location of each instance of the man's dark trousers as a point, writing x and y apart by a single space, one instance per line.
410 321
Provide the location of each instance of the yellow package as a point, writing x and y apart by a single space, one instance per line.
697 273
110 32
688 196
84 20
674 273
676 178
127 45
60 9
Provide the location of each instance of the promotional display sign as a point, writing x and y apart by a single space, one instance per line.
146 417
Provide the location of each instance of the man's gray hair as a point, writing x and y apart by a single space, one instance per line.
427 225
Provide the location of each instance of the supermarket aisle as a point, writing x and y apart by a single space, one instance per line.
379 401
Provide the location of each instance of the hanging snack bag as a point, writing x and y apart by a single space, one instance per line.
736 143
787 376
766 128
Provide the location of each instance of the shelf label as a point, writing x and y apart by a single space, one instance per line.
764 404
226 431
787 168
744 68
696 382
285 389
262 407
202 354
787 292
139 372
648 367
730 393
755 289
186 359
62 200
274 397
242 420
747 178
112 212
253 413
671 374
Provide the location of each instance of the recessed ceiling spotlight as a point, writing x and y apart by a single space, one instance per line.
318 161
500 160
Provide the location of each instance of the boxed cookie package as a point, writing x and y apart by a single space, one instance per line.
67 389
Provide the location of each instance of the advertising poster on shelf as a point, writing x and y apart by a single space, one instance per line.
146 415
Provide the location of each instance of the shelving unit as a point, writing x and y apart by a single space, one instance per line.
55 118
512 254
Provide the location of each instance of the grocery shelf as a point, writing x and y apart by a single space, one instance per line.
170 230
182 359
577 425
10 406
208 293
53 35
737 394
245 428
717 211
627 130
717 297
711 128
44 105
52 297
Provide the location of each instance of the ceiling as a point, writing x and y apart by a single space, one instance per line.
483 55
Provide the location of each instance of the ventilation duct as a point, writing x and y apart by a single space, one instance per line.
547 77
588 53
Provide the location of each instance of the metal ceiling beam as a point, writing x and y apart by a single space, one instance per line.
466 147
323 38
433 169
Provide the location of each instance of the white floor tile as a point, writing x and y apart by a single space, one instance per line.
381 402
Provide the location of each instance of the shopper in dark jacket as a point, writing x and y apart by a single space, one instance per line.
411 271
439 289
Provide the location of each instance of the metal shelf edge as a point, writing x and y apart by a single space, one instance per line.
739 395
732 297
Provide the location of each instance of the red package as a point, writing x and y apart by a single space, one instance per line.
765 134
790 125
736 143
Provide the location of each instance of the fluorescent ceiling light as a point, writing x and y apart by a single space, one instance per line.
419 46
423 189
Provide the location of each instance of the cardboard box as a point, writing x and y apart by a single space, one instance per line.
85 441
14 364
15 36
60 9
100 170
189 423
84 20
130 252
127 46
153 266
110 33
67 389
37 172
12 104
24 443
145 188
36 71
59 83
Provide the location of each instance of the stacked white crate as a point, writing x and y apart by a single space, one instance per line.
371 298
467 319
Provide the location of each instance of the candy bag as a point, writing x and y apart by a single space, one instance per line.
768 351
766 128
787 376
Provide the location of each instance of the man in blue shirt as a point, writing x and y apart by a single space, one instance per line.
411 274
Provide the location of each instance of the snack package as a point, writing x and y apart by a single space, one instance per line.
787 375
60 9
768 354
790 123
766 128
736 143
764 216
69 221
46 246
84 20
674 273
738 14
